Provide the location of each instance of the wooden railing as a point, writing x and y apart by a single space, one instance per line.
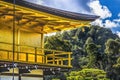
34 55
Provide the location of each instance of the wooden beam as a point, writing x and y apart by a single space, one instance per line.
31 30
35 16
37 24
24 13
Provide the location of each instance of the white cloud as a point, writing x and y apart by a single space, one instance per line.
35 1
69 5
104 13
119 15
107 23
110 24
98 22
118 33
99 9
117 20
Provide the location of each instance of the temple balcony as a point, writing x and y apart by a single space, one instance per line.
34 56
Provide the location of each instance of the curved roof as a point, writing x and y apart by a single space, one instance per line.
58 12
40 19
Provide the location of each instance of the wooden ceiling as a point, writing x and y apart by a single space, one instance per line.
35 21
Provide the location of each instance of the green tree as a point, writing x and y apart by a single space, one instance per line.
112 47
113 52
87 74
89 40
56 43
93 54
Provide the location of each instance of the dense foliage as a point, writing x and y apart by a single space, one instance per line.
94 47
87 74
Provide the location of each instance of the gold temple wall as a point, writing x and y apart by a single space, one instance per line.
25 42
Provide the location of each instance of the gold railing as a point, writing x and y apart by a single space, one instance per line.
34 55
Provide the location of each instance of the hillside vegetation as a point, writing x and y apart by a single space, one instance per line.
94 47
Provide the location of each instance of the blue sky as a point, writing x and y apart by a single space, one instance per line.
114 7
108 10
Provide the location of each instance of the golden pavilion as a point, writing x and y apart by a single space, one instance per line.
22 29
